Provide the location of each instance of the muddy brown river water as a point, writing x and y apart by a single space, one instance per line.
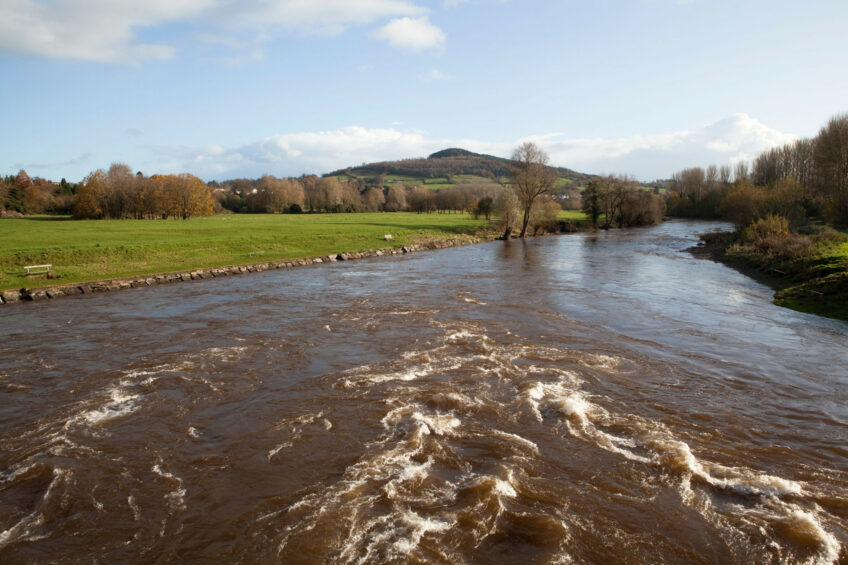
575 399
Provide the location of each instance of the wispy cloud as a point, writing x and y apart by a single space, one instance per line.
736 138
81 160
94 30
415 34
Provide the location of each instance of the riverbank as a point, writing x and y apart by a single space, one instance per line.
815 283
99 250
126 283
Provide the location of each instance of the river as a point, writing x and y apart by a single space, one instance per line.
589 398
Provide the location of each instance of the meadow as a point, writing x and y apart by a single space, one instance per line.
88 250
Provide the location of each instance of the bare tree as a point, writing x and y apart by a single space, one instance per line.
531 178
831 161
740 172
724 174
372 199
508 210
396 197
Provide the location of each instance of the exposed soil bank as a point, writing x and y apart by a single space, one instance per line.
58 291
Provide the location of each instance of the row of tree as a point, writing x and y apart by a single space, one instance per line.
24 195
808 178
333 194
620 201
118 194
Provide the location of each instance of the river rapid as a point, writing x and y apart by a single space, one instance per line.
590 398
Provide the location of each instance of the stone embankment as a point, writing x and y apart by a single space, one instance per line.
46 293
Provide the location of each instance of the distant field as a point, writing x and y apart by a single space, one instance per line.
86 250
573 215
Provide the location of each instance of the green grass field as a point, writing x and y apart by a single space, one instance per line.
88 250
573 216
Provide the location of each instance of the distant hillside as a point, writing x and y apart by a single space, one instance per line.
442 167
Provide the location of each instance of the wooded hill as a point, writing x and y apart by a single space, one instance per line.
443 167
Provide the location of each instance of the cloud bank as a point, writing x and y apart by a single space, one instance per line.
94 30
737 138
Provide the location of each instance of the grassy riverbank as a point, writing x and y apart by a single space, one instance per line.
88 250
813 281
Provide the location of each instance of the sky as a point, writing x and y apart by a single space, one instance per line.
241 88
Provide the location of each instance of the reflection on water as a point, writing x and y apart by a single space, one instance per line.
584 398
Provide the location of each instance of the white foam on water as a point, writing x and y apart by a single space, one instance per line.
176 497
514 438
416 528
506 487
397 469
654 444
805 525
134 507
121 403
600 361
575 406
672 454
462 334
24 528
192 431
425 366
678 456
275 450
230 353
295 427
423 424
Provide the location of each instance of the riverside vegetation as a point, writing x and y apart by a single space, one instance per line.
790 211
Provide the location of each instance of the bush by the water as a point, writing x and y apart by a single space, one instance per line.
771 237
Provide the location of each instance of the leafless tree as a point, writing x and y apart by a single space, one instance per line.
396 197
531 178
831 161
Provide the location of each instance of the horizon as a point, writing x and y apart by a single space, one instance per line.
223 90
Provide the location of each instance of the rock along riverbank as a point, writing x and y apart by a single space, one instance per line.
74 289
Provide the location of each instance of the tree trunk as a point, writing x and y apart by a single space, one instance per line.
524 223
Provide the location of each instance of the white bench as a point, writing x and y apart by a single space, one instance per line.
37 269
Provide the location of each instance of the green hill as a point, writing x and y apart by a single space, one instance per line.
447 167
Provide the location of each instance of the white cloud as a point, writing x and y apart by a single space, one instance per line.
313 16
415 34
101 30
733 139
95 31
649 157
433 75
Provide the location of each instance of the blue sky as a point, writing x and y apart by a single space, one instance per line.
225 88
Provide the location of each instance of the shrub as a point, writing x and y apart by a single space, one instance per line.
770 236
771 225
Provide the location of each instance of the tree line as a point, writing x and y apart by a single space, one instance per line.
115 193
621 202
333 194
120 194
801 181
20 194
